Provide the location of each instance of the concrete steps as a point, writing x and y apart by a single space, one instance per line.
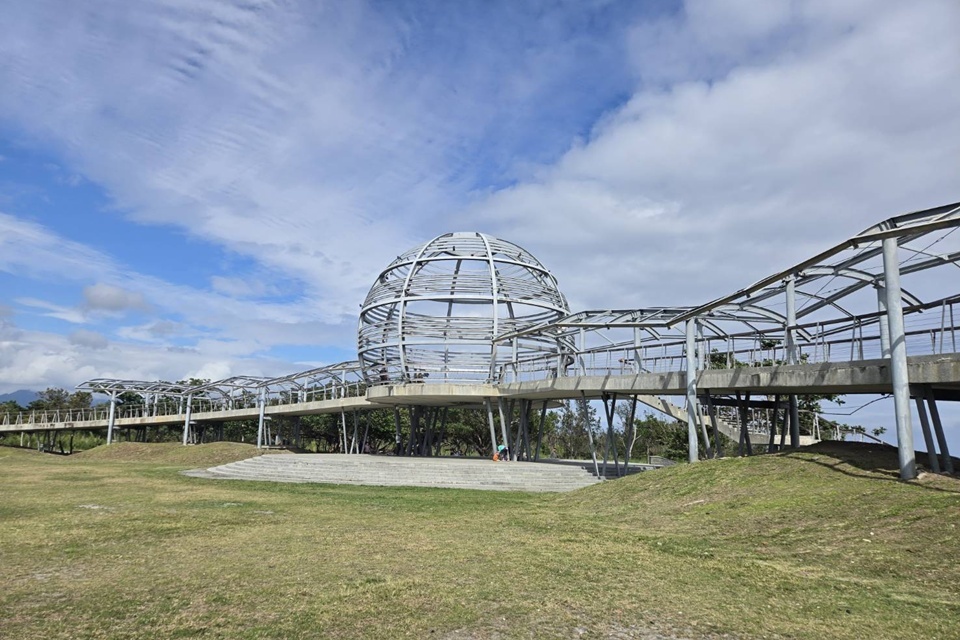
458 473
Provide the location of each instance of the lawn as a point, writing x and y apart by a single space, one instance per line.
115 543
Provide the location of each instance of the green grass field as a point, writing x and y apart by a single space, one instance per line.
825 543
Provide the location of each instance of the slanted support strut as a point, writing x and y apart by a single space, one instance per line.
488 405
938 429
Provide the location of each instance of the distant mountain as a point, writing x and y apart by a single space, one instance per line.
22 397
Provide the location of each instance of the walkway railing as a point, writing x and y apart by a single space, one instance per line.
929 330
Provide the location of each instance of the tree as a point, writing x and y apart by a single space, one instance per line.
51 399
11 408
56 399
571 439
653 435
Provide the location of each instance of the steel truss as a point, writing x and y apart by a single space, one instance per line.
844 304
468 307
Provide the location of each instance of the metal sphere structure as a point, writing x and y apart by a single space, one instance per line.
433 313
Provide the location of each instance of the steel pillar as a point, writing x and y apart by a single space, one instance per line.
717 444
526 406
692 441
593 448
366 432
261 419
396 424
609 410
792 358
774 419
112 417
628 435
355 442
493 430
898 360
938 429
882 320
927 435
186 420
503 424
543 418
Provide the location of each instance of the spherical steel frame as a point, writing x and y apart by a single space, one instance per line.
434 312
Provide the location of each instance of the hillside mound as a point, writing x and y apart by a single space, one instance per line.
174 453
871 456
841 492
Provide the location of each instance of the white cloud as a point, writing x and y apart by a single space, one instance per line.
105 297
694 190
91 339
744 136
242 287
36 359
29 249
52 310
191 310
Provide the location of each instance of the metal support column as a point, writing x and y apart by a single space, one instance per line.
609 410
792 358
882 321
927 435
488 405
503 423
112 418
593 448
414 413
692 442
938 429
744 427
526 406
898 360
774 418
261 418
628 435
543 418
186 420
396 423
712 412
366 432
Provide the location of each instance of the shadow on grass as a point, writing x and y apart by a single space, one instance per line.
875 462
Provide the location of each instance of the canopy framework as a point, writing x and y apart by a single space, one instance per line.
869 299
433 313
839 311
339 380
846 303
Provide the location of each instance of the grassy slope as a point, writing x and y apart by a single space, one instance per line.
171 453
823 543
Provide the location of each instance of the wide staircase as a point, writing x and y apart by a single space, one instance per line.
452 473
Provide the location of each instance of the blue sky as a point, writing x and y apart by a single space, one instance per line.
207 189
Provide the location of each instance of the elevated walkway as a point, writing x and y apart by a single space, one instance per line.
447 473
941 373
